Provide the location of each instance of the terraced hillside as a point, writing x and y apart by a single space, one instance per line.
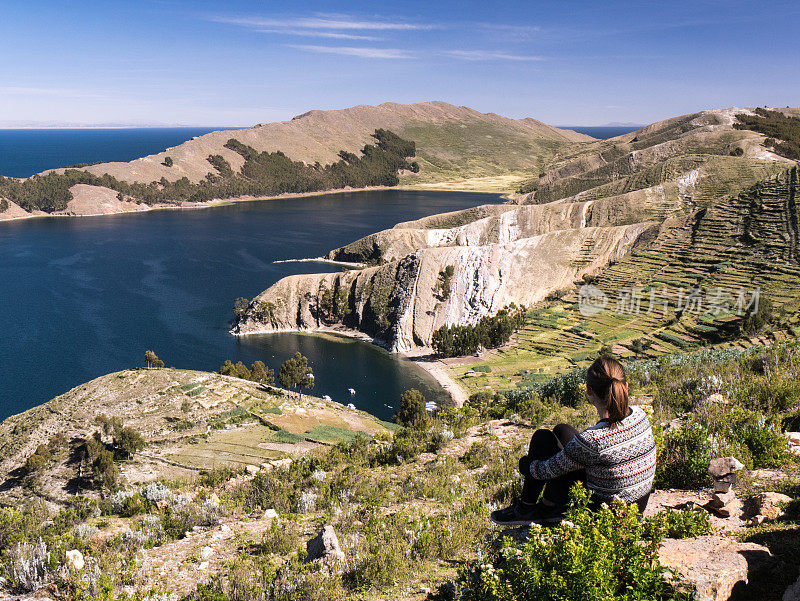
702 263
190 421
674 204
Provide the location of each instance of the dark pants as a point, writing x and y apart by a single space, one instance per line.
545 444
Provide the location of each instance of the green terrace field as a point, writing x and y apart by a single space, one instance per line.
723 254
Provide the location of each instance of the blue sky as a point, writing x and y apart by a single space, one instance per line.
240 63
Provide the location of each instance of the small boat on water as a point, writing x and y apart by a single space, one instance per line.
351 406
325 397
352 391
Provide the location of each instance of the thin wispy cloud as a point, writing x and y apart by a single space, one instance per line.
323 22
489 55
322 34
511 32
385 53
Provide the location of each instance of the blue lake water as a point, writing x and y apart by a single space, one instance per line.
24 152
603 132
82 297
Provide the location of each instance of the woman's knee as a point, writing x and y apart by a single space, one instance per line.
564 433
544 444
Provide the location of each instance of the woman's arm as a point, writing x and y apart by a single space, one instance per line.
576 455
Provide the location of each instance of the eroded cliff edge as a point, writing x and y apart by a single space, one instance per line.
401 304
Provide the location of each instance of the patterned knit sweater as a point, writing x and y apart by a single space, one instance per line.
620 461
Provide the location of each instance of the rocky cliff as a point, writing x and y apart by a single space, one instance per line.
400 303
592 206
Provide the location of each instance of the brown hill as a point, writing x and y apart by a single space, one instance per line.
450 140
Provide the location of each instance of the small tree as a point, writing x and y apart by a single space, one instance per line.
262 374
152 360
168 162
412 413
105 471
443 287
242 371
128 441
240 306
606 350
640 346
228 369
296 373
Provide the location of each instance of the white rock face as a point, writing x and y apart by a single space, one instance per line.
398 304
75 561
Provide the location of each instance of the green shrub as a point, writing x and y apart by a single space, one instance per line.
607 554
683 523
568 388
477 455
683 457
215 477
133 506
412 412
280 539
766 444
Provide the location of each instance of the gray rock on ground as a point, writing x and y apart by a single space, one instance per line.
325 546
713 565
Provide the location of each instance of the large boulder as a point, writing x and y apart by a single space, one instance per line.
325 546
711 565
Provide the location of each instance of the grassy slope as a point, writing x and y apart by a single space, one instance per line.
249 425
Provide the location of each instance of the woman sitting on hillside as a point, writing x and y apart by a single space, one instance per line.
615 459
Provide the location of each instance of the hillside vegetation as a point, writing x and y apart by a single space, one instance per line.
408 505
262 174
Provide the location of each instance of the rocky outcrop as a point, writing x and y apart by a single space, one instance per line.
325 546
501 224
714 566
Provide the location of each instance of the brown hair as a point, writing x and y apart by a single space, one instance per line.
606 378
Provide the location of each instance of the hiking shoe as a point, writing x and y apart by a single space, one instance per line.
522 514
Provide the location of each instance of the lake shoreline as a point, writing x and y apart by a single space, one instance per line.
421 357
117 268
12 213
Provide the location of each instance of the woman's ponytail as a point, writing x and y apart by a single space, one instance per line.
606 378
